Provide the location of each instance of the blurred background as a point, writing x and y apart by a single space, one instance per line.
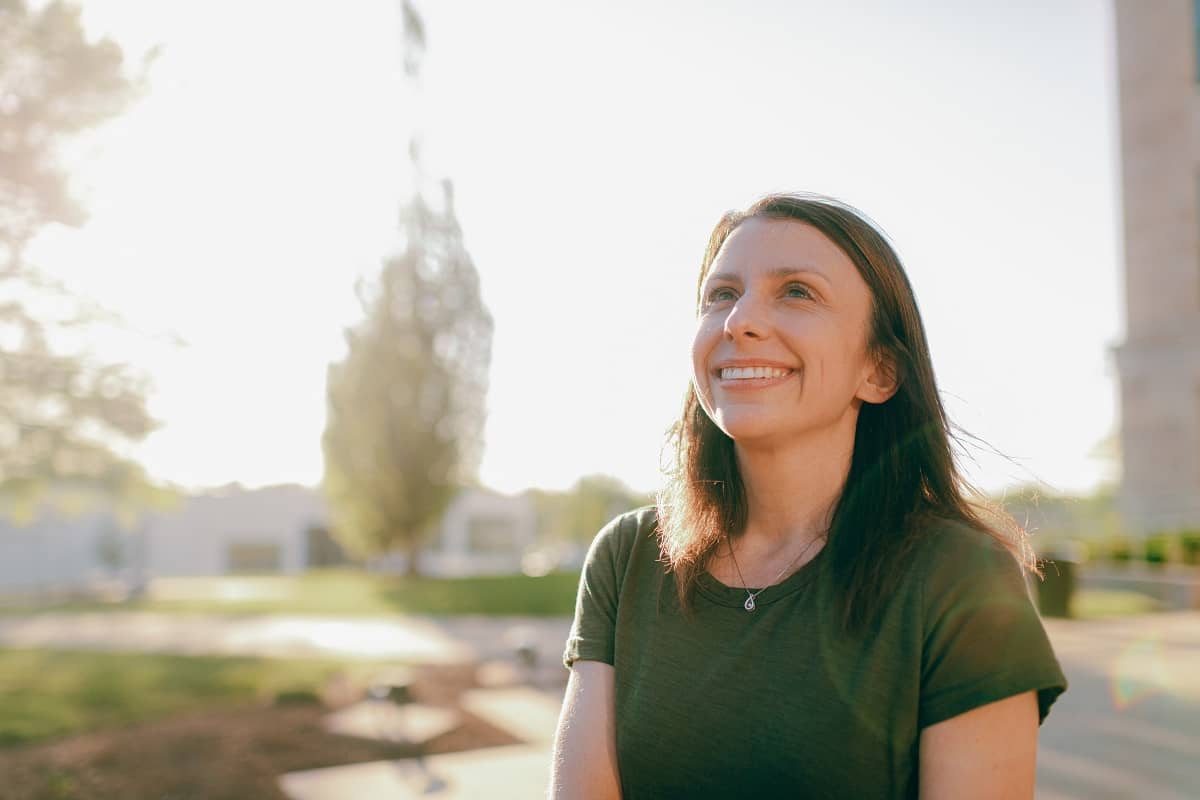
331 336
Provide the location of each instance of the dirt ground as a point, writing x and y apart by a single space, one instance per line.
223 754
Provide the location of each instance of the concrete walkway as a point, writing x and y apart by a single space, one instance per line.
516 772
426 640
1129 725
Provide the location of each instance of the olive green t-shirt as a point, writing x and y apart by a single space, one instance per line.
779 702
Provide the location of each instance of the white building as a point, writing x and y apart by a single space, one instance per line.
55 552
482 532
235 530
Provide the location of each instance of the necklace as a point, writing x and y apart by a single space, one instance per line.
749 604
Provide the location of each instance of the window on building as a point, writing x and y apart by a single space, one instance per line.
1196 37
250 557
490 533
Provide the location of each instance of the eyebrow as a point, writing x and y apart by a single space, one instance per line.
777 273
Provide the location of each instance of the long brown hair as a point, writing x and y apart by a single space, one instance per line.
902 471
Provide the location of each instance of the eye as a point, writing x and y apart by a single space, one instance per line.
798 290
720 294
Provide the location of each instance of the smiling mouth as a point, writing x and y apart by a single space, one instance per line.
752 373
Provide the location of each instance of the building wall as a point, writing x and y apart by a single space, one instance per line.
482 532
1159 362
1157 94
198 537
61 552
52 553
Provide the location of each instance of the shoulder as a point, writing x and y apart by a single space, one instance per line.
957 567
950 550
617 542
981 634
624 530
963 572
618 552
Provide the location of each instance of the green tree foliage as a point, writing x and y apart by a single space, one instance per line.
406 407
1051 516
64 414
578 514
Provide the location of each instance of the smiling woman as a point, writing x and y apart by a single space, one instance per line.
764 324
814 608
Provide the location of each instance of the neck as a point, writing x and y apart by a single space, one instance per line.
792 488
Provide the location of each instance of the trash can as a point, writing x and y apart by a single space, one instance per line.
1060 569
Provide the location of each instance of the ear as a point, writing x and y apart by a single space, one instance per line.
881 382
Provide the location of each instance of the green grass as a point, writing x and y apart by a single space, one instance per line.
49 693
1103 604
348 592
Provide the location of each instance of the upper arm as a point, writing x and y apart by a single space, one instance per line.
988 752
585 744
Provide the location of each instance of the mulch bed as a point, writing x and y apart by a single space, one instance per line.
223 754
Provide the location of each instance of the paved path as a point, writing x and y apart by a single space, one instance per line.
515 772
1129 726
412 639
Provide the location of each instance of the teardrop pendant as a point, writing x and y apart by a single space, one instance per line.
749 604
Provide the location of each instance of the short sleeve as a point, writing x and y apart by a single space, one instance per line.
984 640
594 628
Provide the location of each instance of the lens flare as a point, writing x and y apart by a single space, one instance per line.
1139 671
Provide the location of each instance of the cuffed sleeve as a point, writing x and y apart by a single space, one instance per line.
984 640
594 628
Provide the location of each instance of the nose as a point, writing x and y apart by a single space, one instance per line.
746 320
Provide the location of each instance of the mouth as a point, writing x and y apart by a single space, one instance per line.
752 373
752 377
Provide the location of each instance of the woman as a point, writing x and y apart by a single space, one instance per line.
813 609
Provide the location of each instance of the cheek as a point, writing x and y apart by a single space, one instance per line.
708 334
702 348
699 377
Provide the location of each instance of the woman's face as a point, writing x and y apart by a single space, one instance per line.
780 349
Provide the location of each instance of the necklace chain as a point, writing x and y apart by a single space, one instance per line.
749 605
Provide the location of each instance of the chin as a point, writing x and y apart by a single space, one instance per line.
743 427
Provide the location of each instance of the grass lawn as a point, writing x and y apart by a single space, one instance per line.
49 693
1104 603
347 592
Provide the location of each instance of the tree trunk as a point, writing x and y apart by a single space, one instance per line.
413 568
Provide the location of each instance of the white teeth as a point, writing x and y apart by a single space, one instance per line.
746 373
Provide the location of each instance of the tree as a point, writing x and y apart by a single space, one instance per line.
405 407
64 414
404 411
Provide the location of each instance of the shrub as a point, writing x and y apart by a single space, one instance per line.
1189 546
297 697
1157 549
1120 550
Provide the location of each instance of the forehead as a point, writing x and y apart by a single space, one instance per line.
760 246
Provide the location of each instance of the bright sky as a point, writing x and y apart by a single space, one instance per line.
592 147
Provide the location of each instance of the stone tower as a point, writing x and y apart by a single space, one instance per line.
1159 361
